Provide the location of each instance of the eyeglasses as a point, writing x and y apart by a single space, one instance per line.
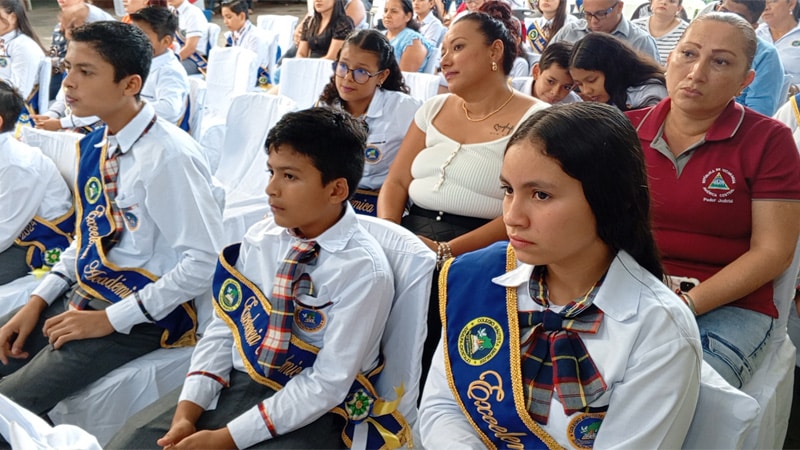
599 15
360 76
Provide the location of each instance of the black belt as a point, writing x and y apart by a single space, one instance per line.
462 221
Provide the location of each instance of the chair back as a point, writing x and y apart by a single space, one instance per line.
213 36
231 72
283 26
422 85
60 146
197 100
303 79
24 429
45 72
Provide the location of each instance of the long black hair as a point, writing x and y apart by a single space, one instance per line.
558 20
493 29
607 158
337 15
372 41
23 22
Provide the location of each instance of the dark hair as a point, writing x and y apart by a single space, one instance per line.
409 9
736 21
559 19
161 20
607 158
555 53
337 15
502 12
236 6
622 66
372 41
24 26
122 45
11 104
335 147
493 30
754 7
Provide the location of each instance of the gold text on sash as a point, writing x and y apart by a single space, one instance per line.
95 273
251 335
27 231
289 368
91 224
481 391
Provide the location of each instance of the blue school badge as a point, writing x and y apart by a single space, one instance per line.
479 341
373 154
230 295
131 220
582 429
358 405
3 61
308 319
52 256
796 43
92 190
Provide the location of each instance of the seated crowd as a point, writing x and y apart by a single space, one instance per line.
620 186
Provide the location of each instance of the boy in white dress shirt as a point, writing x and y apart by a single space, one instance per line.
192 36
243 388
149 227
38 219
167 86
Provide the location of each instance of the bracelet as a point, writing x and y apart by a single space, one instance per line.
689 302
443 253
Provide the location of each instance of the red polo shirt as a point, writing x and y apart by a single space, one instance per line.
702 217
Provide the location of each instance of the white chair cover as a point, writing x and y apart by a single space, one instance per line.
16 293
412 263
268 49
283 26
25 430
45 72
302 79
197 99
60 146
422 85
214 31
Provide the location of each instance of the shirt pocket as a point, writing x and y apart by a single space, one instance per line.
311 316
134 216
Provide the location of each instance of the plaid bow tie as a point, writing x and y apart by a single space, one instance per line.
289 283
110 173
556 356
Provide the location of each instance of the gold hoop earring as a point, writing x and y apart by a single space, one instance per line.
494 66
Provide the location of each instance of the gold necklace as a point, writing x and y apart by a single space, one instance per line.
466 112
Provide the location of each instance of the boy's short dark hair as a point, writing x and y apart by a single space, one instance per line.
332 139
122 45
754 7
11 104
161 20
555 53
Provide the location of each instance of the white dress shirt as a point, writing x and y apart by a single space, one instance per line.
30 185
432 28
167 87
355 290
647 350
192 22
21 68
788 48
164 182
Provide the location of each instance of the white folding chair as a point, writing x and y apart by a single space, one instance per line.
213 36
268 44
16 293
197 99
60 146
283 26
25 430
422 85
412 264
45 72
303 79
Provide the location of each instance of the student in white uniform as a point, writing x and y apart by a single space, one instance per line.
21 52
192 36
430 24
541 29
551 81
288 352
243 34
167 85
148 230
37 220
367 82
608 355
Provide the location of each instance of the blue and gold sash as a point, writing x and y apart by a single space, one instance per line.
99 277
199 60
46 240
537 38
482 362
365 202
242 305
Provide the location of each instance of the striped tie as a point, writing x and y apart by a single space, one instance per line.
110 173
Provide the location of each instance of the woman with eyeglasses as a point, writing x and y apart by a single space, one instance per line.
606 70
541 29
665 25
368 83
411 48
449 162
725 194
780 27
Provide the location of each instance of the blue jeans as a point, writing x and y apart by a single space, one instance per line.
734 340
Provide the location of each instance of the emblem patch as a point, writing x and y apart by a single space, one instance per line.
719 184
308 319
795 43
131 220
358 405
52 256
533 33
582 429
479 341
3 61
373 154
230 295
92 190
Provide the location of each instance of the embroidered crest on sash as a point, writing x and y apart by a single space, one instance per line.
582 429
373 154
92 190
230 295
480 340
52 256
309 319
358 405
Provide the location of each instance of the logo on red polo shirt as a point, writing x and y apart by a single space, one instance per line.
719 184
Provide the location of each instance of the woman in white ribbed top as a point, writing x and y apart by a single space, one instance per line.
449 162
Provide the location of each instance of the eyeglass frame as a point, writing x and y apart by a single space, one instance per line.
599 15
336 64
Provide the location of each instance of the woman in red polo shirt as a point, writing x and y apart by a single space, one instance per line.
724 184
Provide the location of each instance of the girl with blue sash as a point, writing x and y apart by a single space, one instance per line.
541 29
565 336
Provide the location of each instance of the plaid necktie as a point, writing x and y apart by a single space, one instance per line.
289 283
110 173
556 356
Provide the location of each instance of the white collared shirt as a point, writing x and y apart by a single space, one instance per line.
173 221
355 290
30 185
525 85
21 68
432 28
58 110
167 87
253 39
647 350
636 37
192 22
788 48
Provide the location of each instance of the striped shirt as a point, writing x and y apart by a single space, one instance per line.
666 42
